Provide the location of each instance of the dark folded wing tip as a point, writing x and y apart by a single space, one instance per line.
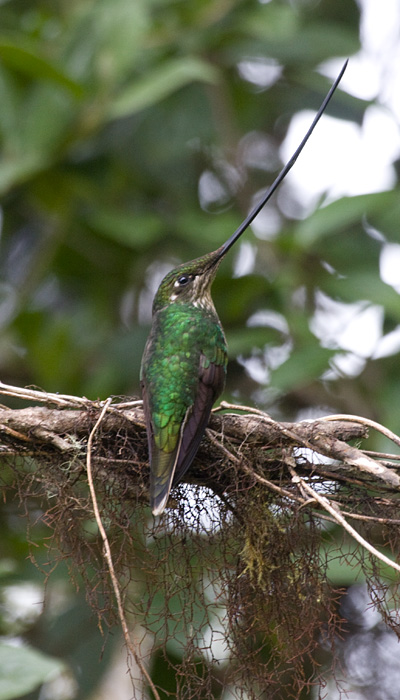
159 494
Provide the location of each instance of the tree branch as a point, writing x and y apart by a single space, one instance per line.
244 437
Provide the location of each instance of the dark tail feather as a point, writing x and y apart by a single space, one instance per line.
162 472
159 494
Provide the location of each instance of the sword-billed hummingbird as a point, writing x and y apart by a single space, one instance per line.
184 362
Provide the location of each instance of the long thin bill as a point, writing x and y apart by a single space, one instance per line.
289 165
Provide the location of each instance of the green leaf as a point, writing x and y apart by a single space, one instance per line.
305 365
41 123
160 83
22 669
365 285
244 341
18 169
289 42
137 231
10 106
31 64
120 27
106 39
343 214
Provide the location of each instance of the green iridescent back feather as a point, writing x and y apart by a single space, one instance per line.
180 335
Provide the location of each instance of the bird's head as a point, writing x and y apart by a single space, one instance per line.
190 283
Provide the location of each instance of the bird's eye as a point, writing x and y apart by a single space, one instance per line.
183 280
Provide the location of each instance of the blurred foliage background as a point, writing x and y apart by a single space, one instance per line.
136 135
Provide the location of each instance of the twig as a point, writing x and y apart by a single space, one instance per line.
43 396
372 518
337 449
382 455
364 421
62 400
337 515
334 448
108 555
270 484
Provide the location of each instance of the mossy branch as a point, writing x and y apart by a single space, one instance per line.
63 424
272 483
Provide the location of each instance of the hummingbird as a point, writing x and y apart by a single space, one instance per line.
184 363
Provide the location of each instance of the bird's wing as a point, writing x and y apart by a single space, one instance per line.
210 386
163 435
174 438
